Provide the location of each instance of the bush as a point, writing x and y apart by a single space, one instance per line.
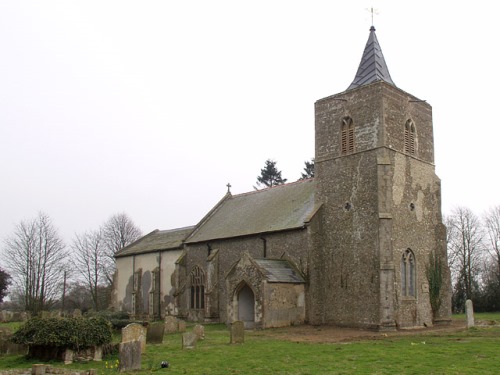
118 319
73 333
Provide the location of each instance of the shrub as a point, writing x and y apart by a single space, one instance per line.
73 333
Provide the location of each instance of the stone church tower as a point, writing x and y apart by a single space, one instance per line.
381 205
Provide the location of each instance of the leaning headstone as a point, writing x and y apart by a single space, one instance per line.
182 326
171 324
129 356
237 332
199 331
135 332
189 340
155 333
469 313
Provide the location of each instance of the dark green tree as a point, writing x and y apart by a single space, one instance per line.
4 283
308 170
269 175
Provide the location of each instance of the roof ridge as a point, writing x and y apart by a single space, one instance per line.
273 187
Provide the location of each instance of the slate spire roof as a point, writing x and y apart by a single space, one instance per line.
372 67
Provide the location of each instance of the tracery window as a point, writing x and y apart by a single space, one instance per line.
409 137
347 136
408 274
197 288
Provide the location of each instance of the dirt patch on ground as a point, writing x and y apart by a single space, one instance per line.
328 334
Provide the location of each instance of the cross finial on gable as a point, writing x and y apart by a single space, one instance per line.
228 187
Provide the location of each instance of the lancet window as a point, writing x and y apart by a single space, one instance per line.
409 137
197 288
347 136
408 274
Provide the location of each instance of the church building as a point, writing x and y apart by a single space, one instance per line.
351 247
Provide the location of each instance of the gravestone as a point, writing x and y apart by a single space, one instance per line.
199 331
189 340
77 313
182 326
98 353
130 356
155 333
68 356
38 369
469 313
171 324
135 332
237 332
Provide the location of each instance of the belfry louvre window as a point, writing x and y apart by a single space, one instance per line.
408 274
409 137
347 136
197 288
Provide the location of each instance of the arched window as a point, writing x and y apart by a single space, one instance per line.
197 288
409 137
347 136
408 274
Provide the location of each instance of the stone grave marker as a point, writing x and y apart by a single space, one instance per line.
171 324
130 356
199 331
182 325
155 333
189 340
237 332
469 313
135 332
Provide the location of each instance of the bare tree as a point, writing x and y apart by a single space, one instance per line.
465 252
118 231
90 258
492 265
492 224
35 256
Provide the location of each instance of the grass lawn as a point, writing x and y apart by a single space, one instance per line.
463 352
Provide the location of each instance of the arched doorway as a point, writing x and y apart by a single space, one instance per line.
246 306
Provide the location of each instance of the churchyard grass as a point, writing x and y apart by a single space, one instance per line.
462 352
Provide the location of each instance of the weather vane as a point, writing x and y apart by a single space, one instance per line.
372 12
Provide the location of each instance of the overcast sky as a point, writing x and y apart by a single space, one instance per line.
152 107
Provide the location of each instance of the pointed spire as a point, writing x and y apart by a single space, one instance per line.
372 67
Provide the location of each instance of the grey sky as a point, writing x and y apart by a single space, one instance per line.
152 107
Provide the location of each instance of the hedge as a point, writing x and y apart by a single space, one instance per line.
73 333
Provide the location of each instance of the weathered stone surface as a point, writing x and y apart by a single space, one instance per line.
171 324
199 331
130 356
237 335
68 356
38 369
155 333
189 340
135 332
182 326
469 313
98 353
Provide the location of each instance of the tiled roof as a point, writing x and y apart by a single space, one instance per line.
279 271
278 208
372 67
157 240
